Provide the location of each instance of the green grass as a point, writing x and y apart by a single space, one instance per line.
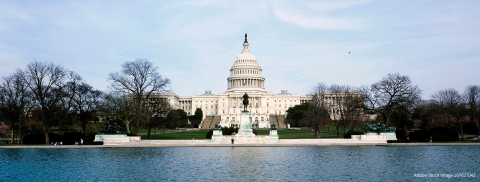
296 134
332 128
185 135
200 134
159 130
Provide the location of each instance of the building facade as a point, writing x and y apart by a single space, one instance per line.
245 77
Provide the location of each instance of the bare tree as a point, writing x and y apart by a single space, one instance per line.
335 105
471 96
393 92
43 80
157 107
451 102
319 114
15 102
127 110
139 79
346 107
65 104
86 102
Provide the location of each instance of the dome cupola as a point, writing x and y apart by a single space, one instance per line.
246 73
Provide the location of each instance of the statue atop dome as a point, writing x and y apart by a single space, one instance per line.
245 38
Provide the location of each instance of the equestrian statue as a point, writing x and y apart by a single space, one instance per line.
245 102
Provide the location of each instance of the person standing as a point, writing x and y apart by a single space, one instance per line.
81 141
233 140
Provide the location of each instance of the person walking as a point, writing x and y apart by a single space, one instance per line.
233 140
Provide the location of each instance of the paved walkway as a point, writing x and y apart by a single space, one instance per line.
237 145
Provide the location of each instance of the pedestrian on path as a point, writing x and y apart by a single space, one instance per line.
233 140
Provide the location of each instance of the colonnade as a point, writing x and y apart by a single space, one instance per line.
237 102
246 82
186 105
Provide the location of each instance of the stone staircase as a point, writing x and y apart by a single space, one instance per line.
210 121
280 123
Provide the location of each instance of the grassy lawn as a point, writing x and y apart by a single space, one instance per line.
296 134
200 134
186 135
159 130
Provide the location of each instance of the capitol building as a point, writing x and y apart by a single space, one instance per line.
225 108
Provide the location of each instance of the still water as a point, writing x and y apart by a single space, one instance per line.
241 164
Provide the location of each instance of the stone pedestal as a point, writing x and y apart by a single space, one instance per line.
388 135
245 128
101 137
274 136
217 136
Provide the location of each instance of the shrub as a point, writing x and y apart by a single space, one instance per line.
72 137
40 138
229 130
226 131
400 134
419 135
34 139
470 128
437 134
443 134
350 133
66 139
209 134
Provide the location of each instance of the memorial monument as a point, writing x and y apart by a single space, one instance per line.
379 129
245 128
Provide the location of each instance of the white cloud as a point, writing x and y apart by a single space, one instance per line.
335 5
321 21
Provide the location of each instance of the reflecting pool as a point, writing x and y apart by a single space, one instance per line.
339 163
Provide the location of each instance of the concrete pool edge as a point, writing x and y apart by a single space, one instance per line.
239 145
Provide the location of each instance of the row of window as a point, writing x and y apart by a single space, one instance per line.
236 72
244 61
234 105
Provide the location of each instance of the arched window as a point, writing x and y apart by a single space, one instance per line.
233 119
256 118
261 118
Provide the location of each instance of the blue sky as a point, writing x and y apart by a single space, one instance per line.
297 43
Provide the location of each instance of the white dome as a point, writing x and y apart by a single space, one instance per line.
246 73
246 57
